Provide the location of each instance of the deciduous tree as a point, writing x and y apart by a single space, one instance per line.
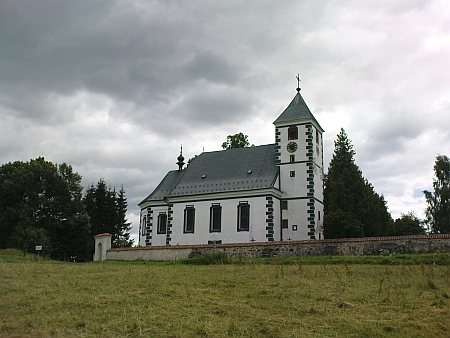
236 141
407 224
41 204
438 209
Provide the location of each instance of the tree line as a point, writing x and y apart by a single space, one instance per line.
352 208
41 203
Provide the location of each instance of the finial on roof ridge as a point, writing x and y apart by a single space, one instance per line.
298 82
180 159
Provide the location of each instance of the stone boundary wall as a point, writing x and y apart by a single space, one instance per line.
345 246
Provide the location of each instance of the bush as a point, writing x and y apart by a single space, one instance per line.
217 257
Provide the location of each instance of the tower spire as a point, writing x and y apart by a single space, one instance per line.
298 82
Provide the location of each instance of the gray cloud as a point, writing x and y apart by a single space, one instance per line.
114 87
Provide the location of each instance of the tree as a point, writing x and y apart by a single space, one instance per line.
438 209
123 227
373 213
346 190
236 141
407 224
345 225
41 204
191 160
107 210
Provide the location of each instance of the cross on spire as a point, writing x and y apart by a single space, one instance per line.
298 82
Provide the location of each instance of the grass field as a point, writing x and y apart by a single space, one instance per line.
40 298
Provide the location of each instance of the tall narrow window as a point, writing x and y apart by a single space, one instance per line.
292 158
162 223
292 133
284 224
317 136
243 216
284 205
215 218
144 225
189 219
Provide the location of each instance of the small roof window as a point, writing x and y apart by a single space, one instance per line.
203 176
249 172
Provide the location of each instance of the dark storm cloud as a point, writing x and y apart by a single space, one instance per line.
95 46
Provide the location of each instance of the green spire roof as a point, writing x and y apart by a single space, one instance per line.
296 111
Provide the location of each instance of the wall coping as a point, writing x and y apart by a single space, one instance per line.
293 242
103 235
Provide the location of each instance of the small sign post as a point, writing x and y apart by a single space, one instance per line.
38 248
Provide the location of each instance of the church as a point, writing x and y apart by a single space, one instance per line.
264 193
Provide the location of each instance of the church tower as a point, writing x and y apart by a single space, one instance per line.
299 158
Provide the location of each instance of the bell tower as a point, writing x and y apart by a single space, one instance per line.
299 157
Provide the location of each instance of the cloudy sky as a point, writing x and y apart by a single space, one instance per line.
114 87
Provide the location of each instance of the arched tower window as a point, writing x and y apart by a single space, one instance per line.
292 133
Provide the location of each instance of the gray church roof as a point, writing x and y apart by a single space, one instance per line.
228 170
296 111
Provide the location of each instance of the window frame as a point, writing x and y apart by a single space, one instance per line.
187 224
159 229
292 173
243 218
213 227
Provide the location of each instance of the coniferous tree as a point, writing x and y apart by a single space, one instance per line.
352 208
107 210
123 227
438 210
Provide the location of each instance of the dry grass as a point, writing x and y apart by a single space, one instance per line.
118 299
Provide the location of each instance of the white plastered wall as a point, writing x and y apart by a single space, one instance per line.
229 232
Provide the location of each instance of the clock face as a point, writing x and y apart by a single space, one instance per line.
291 147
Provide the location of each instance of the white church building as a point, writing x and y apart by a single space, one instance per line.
266 193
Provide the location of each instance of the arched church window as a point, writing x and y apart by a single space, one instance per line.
292 133
162 223
243 216
215 218
144 225
189 219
